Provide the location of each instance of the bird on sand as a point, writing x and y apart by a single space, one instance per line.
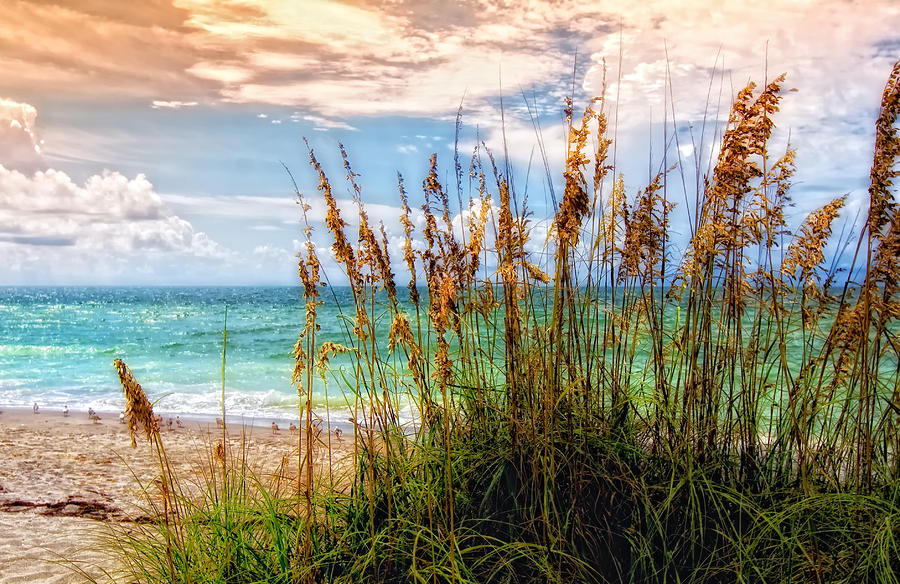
66 411
178 422
35 408
94 417
293 428
274 427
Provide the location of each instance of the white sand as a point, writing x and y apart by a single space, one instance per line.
62 479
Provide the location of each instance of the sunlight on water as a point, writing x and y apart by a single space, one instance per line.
57 346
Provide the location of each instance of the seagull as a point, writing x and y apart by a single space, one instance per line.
121 417
169 423
66 411
274 427
35 408
293 428
178 422
338 433
91 412
94 417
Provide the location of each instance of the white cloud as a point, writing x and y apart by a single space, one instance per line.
160 104
108 214
381 58
108 230
686 150
21 148
224 73
390 58
249 208
112 229
267 212
321 123
688 62
273 253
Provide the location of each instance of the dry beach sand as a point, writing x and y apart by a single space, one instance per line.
63 479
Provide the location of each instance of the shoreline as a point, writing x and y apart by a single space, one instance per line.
63 479
109 416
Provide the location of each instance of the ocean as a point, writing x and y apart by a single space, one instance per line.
57 346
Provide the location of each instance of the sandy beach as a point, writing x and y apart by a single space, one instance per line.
64 479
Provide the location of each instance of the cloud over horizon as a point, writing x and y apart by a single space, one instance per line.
109 227
52 229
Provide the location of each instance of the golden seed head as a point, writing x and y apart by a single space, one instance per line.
328 350
138 409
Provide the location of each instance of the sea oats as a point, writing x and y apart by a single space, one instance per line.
409 255
138 409
327 350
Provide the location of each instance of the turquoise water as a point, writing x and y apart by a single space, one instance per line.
57 346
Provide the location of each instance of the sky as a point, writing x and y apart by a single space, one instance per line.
146 142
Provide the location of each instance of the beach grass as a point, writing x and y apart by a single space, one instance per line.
607 411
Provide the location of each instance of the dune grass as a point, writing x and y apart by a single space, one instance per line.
608 411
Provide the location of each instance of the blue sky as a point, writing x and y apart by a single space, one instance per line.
144 144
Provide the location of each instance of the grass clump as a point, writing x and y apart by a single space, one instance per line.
620 413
